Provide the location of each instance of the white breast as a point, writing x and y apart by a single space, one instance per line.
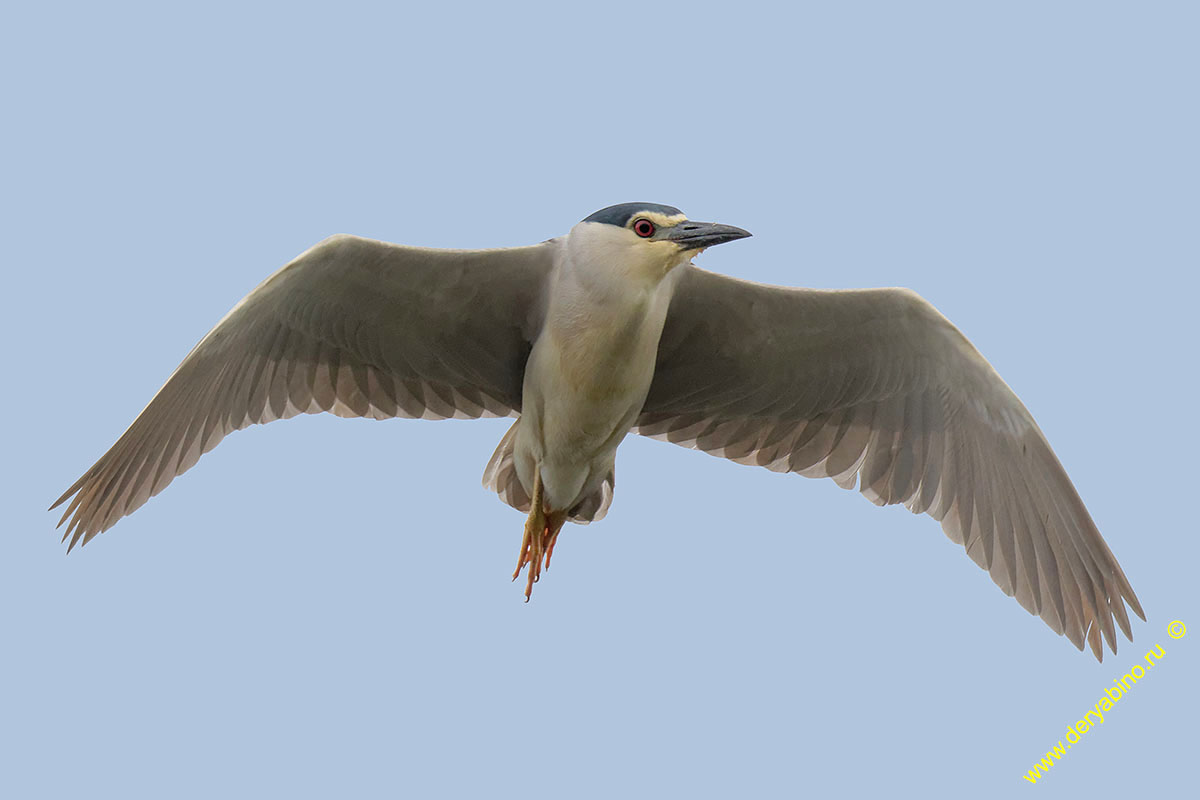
588 376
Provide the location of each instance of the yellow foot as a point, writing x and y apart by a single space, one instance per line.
551 535
531 549
537 545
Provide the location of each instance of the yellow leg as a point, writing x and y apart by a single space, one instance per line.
531 543
554 524
541 532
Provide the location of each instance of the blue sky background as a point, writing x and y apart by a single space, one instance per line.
323 607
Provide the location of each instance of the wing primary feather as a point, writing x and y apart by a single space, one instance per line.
905 460
1009 531
934 452
964 492
881 453
1085 573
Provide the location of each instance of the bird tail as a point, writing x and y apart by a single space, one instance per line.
500 476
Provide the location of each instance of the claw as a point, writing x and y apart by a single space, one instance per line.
553 538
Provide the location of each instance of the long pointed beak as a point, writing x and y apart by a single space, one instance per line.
698 235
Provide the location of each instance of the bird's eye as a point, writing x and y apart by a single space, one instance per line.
644 228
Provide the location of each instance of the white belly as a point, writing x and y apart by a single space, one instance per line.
585 384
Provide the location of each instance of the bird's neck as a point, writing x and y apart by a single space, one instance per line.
628 303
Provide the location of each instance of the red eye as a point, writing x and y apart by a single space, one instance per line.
644 228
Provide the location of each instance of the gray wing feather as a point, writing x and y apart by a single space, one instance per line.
875 389
355 327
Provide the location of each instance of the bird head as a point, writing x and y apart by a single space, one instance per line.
646 238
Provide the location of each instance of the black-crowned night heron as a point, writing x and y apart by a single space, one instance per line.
611 329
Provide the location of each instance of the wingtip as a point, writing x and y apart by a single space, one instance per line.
1094 641
65 496
1132 601
66 515
79 539
59 501
75 531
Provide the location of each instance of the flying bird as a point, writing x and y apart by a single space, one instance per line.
611 329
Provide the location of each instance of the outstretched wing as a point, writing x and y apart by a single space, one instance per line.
353 326
876 386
